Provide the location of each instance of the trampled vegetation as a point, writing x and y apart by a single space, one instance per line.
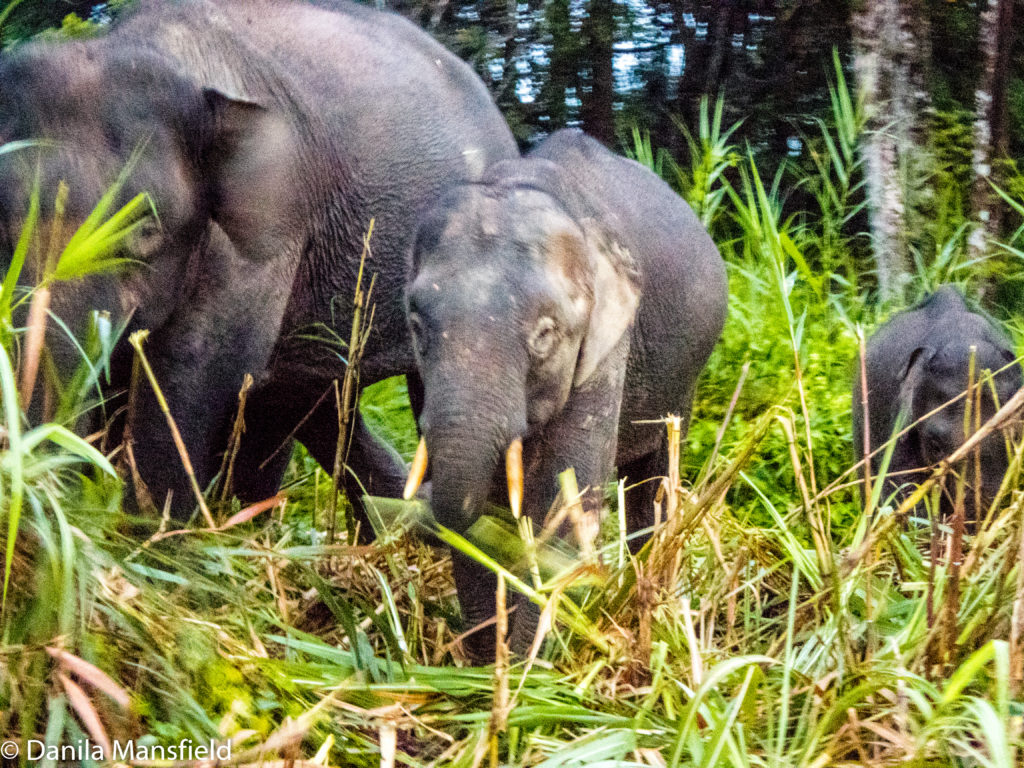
774 620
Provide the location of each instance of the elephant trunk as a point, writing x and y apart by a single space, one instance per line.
463 466
466 446
472 416
465 450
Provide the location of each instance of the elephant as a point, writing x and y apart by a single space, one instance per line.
268 134
555 306
915 363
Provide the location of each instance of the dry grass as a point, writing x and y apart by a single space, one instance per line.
773 620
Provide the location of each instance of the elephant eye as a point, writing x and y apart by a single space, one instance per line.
936 446
416 328
146 239
543 338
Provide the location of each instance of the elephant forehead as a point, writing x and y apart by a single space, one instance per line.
952 361
482 285
54 92
455 291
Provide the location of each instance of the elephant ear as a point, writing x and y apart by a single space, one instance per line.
616 294
250 170
910 378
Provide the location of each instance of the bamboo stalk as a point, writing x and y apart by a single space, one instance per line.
34 338
227 467
1017 620
344 401
136 340
951 604
40 304
500 706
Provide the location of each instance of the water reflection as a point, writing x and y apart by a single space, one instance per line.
663 55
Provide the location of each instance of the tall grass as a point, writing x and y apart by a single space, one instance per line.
771 620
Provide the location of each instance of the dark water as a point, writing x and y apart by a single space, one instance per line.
608 66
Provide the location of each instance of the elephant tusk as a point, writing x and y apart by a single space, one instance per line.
416 471
514 474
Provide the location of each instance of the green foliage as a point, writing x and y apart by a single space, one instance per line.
47 19
385 406
711 156
72 27
771 621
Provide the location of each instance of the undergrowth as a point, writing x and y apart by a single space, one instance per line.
771 621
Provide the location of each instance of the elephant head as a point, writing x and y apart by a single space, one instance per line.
515 306
90 116
934 376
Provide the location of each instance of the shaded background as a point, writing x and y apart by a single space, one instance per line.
942 80
607 66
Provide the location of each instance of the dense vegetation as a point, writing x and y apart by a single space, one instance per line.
776 619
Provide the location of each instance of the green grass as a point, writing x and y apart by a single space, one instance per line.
769 623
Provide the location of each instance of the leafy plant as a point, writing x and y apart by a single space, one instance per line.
774 619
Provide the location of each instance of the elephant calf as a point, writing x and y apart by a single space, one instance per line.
915 363
554 305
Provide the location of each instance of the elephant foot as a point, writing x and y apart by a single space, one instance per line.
479 645
523 625
480 640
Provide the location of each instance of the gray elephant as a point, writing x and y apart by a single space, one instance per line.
915 363
555 305
268 133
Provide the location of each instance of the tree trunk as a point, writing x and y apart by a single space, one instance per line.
691 84
599 34
728 18
890 63
562 69
995 38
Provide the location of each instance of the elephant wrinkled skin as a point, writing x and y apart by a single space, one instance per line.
563 299
268 133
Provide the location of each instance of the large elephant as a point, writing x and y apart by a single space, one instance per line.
915 363
561 301
268 133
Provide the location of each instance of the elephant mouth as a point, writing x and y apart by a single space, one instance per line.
513 473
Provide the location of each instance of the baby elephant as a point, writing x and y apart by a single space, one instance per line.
915 363
554 306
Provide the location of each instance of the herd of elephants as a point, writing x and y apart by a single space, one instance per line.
551 302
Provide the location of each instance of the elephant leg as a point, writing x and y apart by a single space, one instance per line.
476 587
266 445
201 389
372 467
643 458
200 357
155 456
642 483
279 411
